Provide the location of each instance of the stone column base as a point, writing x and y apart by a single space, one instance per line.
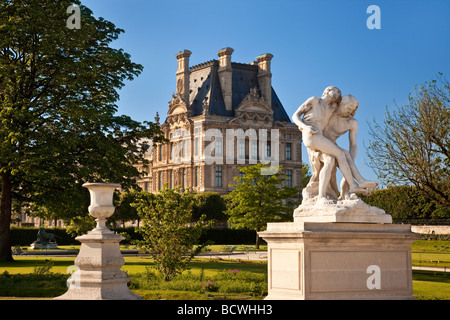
323 260
98 275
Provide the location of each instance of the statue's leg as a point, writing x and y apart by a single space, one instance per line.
363 183
319 142
345 194
325 179
315 164
333 189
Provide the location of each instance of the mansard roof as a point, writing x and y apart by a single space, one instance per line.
205 88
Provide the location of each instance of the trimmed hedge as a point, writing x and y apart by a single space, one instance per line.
442 237
408 203
26 236
218 236
230 236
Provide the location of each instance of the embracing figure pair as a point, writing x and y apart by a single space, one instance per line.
322 121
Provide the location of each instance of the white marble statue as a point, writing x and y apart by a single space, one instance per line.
322 121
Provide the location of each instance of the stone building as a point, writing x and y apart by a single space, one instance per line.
224 115
25 220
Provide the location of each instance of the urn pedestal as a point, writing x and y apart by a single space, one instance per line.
330 260
98 274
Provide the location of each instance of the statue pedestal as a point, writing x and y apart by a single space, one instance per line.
98 275
343 211
326 260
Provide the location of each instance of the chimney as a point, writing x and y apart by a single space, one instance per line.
265 76
225 76
183 75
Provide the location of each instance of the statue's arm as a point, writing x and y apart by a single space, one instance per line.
304 108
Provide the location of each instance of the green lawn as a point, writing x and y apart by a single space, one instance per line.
431 253
232 279
247 283
26 264
431 246
429 285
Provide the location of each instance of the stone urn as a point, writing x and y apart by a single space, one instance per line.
101 207
98 274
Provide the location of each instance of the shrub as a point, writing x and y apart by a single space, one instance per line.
166 235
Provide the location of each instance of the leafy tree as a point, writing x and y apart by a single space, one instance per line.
259 199
211 205
412 146
124 209
58 88
166 218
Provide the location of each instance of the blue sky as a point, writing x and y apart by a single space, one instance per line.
315 44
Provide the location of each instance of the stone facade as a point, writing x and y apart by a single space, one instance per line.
213 101
25 220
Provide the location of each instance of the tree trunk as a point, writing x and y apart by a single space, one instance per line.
5 218
257 240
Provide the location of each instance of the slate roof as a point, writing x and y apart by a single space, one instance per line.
204 83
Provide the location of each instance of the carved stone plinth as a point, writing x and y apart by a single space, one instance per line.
320 260
98 275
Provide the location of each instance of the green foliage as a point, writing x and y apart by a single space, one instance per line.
43 269
259 199
406 203
80 225
59 128
165 229
206 205
412 145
